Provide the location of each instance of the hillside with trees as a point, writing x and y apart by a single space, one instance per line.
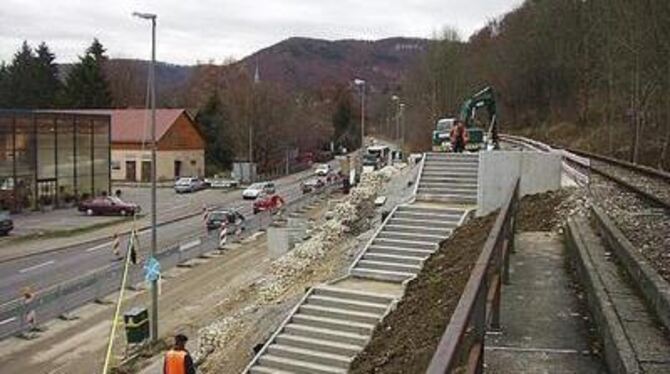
592 74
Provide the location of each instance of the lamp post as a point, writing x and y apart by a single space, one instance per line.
152 80
361 84
396 100
402 125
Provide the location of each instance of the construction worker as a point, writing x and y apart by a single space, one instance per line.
177 359
458 136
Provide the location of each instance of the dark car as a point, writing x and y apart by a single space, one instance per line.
6 223
230 216
108 205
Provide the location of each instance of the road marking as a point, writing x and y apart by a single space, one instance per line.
8 320
37 266
190 244
97 247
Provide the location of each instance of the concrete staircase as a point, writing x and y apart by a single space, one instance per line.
325 332
449 178
333 322
408 237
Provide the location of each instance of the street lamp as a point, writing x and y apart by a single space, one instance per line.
152 80
361 84
402 125
396 99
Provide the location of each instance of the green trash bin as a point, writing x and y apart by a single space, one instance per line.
137 325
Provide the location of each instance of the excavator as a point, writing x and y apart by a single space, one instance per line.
479 139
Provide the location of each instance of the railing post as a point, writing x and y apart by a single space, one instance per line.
480 327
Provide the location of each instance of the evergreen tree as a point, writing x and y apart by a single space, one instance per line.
86 86
215 123
22 86
4 86
46 76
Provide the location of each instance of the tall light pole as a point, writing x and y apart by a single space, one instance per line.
402 125
152 78
361 84
396 100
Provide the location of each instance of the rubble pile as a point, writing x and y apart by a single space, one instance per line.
218 334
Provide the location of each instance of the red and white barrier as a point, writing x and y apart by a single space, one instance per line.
223 236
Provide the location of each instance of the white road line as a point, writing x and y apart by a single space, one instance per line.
8 320
190 244
97 247
37 266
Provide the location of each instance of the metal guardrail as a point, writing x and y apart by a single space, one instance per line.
462 344
63 298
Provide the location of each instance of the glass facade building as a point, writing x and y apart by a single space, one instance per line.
52 159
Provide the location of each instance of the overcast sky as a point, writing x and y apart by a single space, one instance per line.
203 30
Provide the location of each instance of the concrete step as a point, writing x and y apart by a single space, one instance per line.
346 304
429 238
442 225
419 229
382 257
451 180
452 156
389 266
395 251
472 177
295 366
465 170
430 209
326 334
446 191
446 198
354 295
333 324
320 345
405 243
441 217
265 370
449 186
390 276
339 314
309 355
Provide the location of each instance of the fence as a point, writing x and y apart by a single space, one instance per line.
462 344
60 299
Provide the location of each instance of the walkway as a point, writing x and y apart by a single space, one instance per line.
543 323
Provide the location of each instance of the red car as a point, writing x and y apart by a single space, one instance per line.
270 203
108 205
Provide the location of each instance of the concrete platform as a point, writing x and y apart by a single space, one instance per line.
543 324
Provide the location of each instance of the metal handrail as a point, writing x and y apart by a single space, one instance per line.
462 343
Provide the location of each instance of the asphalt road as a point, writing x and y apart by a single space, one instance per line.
43 270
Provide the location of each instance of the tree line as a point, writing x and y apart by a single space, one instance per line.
594 74
32 80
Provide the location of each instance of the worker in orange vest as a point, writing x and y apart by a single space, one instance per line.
177 359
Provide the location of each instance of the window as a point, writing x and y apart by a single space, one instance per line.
116 165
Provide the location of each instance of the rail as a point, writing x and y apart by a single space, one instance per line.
63 298
462 344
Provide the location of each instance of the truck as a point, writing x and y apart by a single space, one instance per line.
479 138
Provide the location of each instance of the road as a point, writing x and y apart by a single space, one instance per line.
43 270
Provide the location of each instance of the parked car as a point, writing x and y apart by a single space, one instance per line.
229 216
257 190
221 183
270 203
108 205
312 185
323 170
189 184
6 223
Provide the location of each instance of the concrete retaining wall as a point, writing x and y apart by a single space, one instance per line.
539 172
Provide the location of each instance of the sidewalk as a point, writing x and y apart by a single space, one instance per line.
544 327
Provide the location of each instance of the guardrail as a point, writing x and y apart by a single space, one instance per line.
61 299
462 344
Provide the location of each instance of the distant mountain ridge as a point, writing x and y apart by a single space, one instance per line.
296 63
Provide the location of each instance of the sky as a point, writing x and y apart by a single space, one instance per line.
192 31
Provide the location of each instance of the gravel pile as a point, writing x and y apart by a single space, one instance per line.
349 218
646 226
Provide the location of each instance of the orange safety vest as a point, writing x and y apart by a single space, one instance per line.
175 362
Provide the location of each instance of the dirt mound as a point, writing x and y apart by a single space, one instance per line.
408 337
